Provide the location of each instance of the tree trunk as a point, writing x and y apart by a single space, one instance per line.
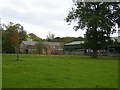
94 54
17 53
17 56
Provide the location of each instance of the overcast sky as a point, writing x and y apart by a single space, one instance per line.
40 16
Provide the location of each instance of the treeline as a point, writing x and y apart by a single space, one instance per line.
51 38
65 39
14 34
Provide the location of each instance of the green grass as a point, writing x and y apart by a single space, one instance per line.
42 71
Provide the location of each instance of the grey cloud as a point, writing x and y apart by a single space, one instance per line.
40 19
31 13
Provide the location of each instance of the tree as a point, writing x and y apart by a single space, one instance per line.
8 37
21 35
98 19
13 35
39 46
0 37
50 37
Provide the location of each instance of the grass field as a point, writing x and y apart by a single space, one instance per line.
42 71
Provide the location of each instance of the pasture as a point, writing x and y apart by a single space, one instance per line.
59 71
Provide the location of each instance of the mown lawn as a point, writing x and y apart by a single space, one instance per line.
45 71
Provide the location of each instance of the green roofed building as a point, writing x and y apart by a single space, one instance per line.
78 48
74 48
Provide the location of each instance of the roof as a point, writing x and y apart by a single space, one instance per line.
34 42
29 42
52 43
75 43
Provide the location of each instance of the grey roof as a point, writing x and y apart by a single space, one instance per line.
34 42
117 38
29 42
75 43
52 43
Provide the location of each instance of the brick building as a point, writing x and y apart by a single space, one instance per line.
29 47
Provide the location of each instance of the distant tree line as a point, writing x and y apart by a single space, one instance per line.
51 38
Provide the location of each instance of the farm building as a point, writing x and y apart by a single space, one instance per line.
77 48
74 48
30 47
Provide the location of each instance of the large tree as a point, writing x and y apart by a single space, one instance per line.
99 19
